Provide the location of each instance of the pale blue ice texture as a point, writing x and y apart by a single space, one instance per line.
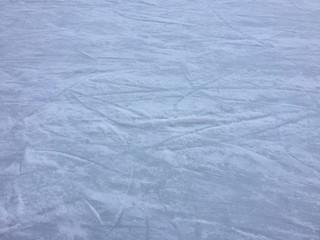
159 120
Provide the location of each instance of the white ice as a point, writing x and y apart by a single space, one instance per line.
159 120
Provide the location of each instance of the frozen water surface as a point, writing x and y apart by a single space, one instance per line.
159 120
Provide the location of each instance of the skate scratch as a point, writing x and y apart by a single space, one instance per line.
94 211
117 221
201 87
68 155
111 127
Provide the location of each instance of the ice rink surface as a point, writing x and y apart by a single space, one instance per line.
159 120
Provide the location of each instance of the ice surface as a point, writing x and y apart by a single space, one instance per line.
159 120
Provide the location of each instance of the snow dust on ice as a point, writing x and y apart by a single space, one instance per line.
159 120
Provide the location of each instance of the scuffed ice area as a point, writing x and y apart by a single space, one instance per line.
159 120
